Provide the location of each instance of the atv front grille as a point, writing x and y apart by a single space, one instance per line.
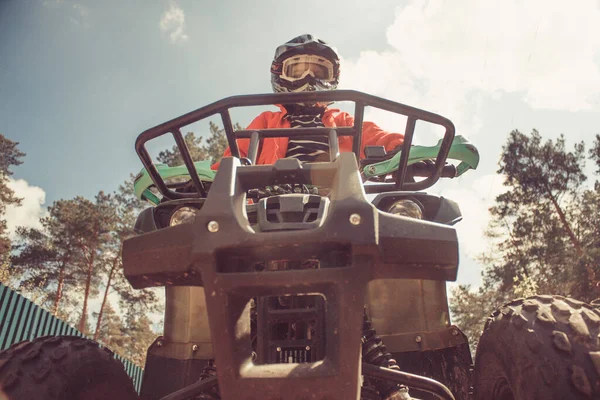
290 329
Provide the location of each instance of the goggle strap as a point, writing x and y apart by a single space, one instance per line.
276 68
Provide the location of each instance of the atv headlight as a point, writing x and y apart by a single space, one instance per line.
407 208
183 215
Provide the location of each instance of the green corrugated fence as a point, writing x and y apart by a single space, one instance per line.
20 319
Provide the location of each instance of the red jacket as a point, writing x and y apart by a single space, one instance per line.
276 148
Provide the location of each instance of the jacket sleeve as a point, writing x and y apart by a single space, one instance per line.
259 122
372 134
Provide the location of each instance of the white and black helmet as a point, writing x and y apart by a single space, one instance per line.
305 63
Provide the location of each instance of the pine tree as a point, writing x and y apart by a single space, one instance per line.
10 156
126 207
139 337
216 143
544 231
91 224
110 332
544 181
470 306
172 157
595 157
44 262
68 254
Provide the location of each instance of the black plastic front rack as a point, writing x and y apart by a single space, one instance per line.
361 101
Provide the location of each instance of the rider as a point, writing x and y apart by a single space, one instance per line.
307 63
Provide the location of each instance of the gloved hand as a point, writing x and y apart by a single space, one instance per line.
391 141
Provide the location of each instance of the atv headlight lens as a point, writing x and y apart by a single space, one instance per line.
183 215
407 208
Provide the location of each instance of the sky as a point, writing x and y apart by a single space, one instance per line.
79 80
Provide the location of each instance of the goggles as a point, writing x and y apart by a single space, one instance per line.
299 67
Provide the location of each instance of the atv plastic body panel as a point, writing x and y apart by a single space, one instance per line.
460 150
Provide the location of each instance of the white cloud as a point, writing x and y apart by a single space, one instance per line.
173 22
475 201
536 47
386 75
30 211
449 56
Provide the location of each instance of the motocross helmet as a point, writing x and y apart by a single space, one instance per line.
305 63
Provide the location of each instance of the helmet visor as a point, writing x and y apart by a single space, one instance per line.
299 67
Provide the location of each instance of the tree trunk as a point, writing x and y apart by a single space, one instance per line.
576 243
566 225
88 284
100 313
59 289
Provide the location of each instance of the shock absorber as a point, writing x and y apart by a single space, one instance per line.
374 352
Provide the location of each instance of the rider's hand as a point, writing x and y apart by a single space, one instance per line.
391 141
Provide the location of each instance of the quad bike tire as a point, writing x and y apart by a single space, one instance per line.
62 368
542 347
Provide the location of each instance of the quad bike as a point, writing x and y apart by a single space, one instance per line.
285 306
318 280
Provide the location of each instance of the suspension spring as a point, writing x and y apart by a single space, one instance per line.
375 352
